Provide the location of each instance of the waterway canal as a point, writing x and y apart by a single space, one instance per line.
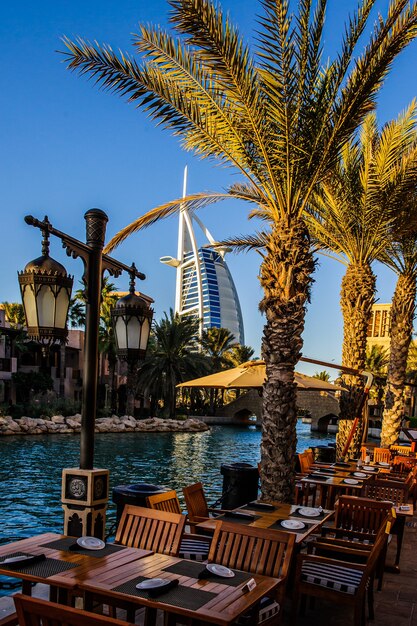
30 468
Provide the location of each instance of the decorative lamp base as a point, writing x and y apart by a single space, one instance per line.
85 495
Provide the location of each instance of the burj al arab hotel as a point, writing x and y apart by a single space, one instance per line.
204 285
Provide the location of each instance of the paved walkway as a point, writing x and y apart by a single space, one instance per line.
395 605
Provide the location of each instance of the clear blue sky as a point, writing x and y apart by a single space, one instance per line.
67 147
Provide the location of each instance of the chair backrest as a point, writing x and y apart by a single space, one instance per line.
195 501
364 452
150 529
388 490
36 612
167 501
363 515
382 455
305 463
402 450
403 463
379 545
255 550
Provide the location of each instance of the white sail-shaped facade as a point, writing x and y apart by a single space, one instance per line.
204 284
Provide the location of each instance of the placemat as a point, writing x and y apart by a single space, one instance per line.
326 470
44 569
278 526
259 507
187 568
238 520
318 477
316 517
64 544
181 596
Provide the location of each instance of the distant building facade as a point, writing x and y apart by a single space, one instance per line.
378 328
204 284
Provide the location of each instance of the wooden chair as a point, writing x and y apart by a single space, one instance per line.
192 546
382 455
150 529
36 612
257 551
402 450
305 462
340 580
196 503
167 501
388 490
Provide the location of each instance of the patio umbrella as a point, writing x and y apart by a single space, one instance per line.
252 375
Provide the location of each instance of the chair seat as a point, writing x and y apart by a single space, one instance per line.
331 576
194 550
268 608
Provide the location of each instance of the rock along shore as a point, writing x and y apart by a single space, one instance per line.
72 425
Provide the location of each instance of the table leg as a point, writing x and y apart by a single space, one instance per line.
150 617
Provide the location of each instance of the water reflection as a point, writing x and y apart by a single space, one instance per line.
31 467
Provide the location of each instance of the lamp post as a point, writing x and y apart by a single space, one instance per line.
132 319
46 292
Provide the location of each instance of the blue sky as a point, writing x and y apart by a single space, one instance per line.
67 147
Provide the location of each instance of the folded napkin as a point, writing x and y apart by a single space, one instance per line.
261 505
74 547
31 560
158 591
206 574
238 515
317 477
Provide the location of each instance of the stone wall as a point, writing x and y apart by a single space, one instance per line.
67 425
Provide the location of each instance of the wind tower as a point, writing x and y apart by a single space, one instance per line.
204 285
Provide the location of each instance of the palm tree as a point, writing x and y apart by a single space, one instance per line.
216 344
172 358
279 116
402 258
239 354
15 314
352 215
322 376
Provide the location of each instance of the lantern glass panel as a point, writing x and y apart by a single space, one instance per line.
133 333
46 306
121 333
146 327
62 304
29 302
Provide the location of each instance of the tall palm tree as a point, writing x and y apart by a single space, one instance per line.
402 258
279 116
172 358
352 215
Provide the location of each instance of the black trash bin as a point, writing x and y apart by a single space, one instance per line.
240 484
134 494
325 454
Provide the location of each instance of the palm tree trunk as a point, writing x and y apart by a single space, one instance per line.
286 278
356 300
401 327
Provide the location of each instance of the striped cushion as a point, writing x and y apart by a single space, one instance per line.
194 550
268 608
331 576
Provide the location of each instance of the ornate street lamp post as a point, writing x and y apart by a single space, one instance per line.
132 319
46 292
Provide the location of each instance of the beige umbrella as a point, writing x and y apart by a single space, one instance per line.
252 374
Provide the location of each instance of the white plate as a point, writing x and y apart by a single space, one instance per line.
152 583
382 464
359 474
351 481
292 524
91 543
15 559
309 512
369 468
220 570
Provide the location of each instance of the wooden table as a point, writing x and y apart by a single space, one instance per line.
331 486
223 608
266 519
402 516
67 581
